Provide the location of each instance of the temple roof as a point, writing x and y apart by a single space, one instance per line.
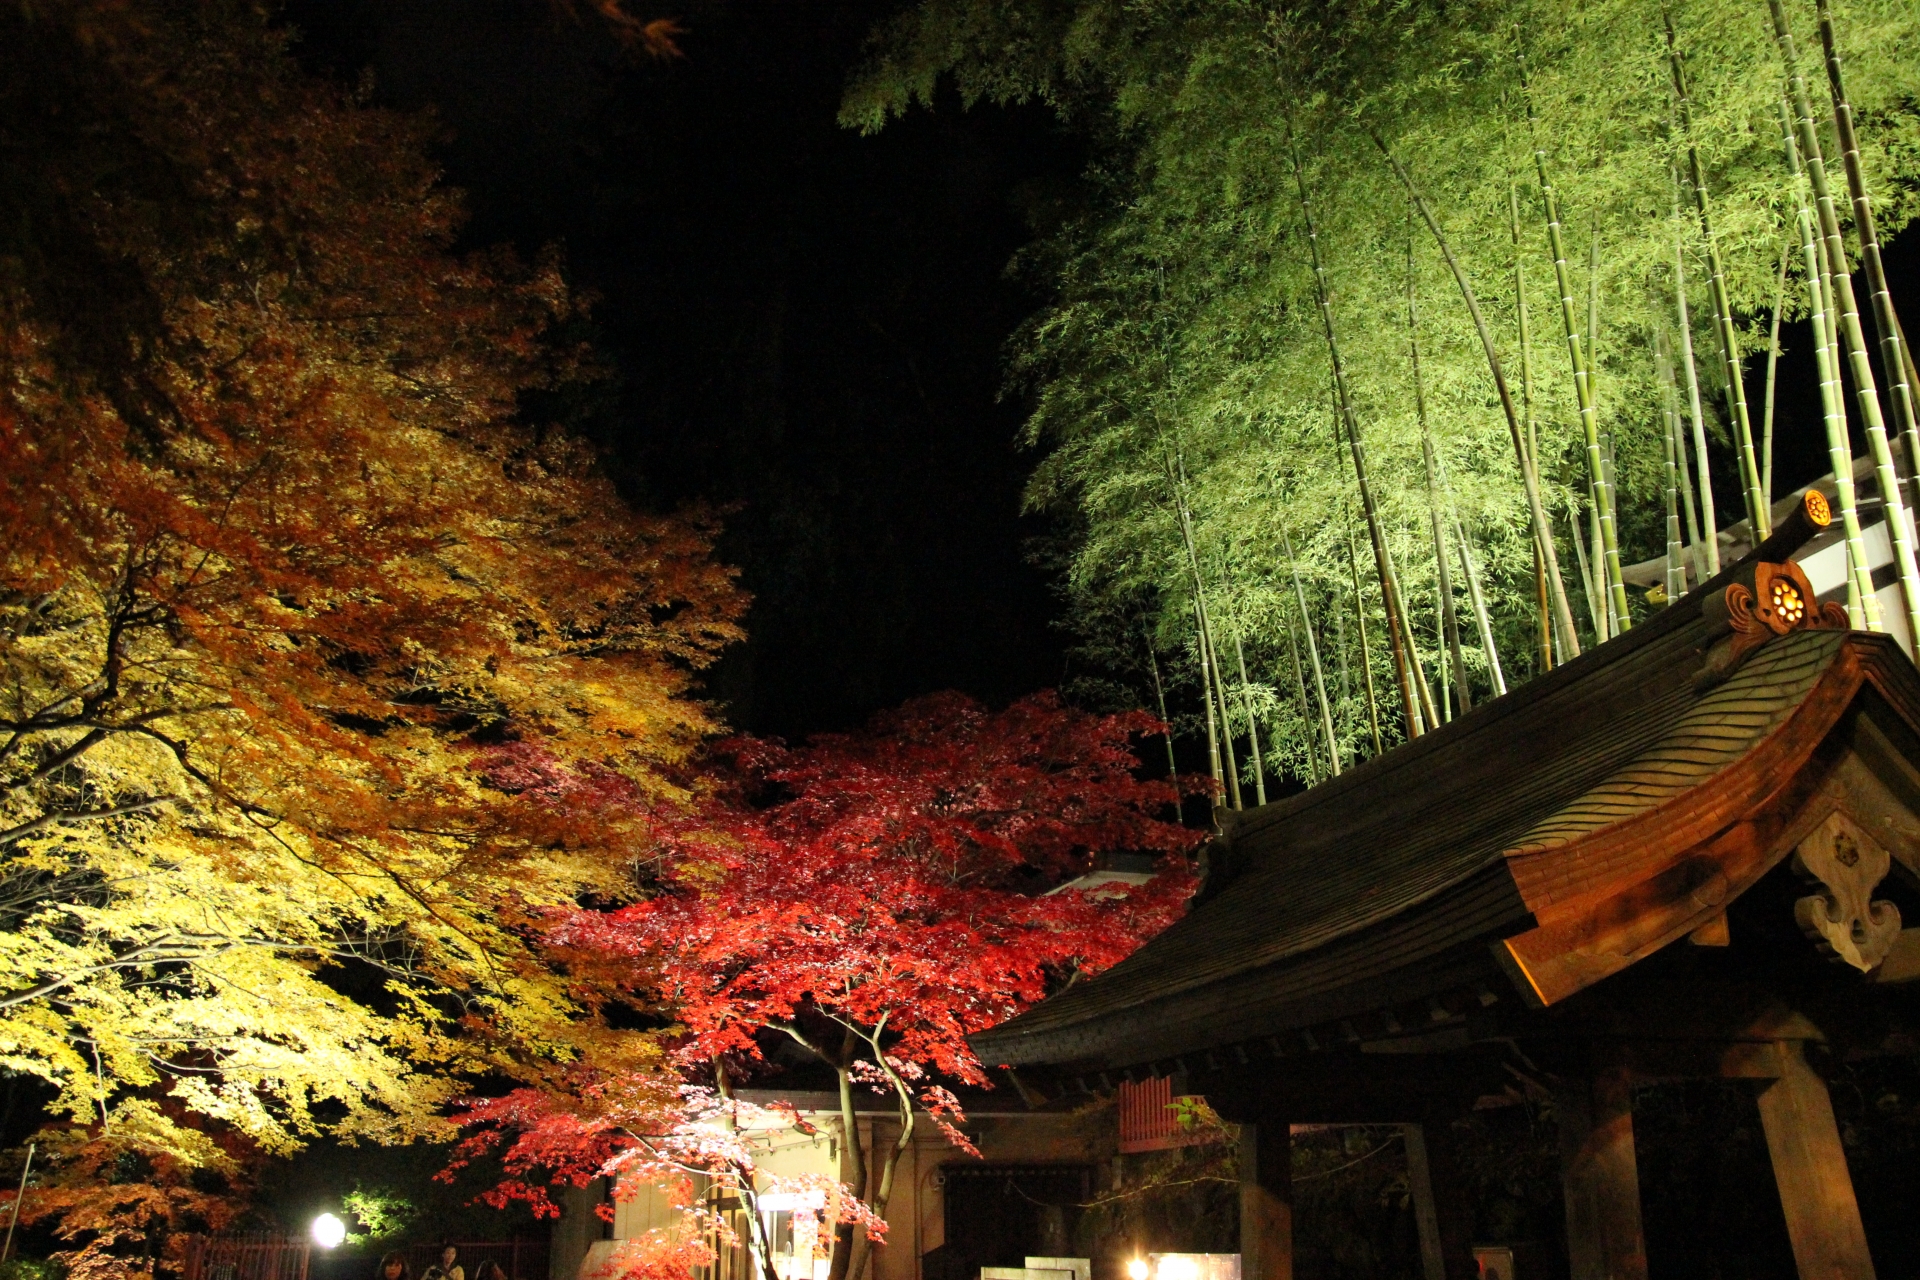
1402 877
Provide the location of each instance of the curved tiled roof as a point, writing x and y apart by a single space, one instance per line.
1397 873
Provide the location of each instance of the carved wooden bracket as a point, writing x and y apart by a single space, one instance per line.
1845 920
1779 601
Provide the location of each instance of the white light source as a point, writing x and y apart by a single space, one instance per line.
1138 1269
328 1231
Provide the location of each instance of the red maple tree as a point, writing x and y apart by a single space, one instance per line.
875 897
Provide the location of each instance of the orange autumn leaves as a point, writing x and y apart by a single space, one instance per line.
281 558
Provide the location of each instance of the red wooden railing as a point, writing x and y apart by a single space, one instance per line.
1147 1117
249 1257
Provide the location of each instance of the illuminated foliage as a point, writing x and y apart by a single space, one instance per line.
875 898
1183 361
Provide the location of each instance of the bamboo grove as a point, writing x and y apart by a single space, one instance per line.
1387 334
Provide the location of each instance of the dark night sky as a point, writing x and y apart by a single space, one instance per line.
804 322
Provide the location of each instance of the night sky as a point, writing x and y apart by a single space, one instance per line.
802 324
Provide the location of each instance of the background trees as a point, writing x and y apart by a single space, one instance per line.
1611 178
280 567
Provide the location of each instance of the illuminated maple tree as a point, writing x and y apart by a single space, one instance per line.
282 563
876 898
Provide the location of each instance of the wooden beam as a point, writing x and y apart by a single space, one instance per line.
1600 1176
1266 1201
1810 1167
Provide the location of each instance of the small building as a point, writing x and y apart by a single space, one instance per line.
1685 854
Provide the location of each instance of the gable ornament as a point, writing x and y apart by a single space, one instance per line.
1843 918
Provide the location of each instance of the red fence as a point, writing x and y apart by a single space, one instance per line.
1147 1118
252 1257
520 1259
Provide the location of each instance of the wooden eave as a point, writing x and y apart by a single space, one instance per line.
1536 846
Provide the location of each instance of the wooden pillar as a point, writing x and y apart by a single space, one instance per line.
1439 1201
1810 1167
1601 1178
1425 1216
1266 1201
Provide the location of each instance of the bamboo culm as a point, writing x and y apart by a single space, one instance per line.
1529 472
1854 338
1670 417
1609 571
1449 622
1895 360
1160 697
1759 518
1773 368
1306 712
1709 518
1253 728
1863 606
1397 633
1366 651
1313 655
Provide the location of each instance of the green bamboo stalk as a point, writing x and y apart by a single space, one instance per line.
1313 654
1206 696
1230 758
1532 451
1593 366
1603 612
1759 518
1596 609
1253 728
1610 570
1306 710
1773 365
1422 690
1160 696
1895 360
1697 552
1449 622
1709 519
1397 632
1529 473
1474 593
1854 338
1863 606
1366 652
1670 420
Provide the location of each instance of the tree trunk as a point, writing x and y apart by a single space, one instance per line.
1773 368
1313 652
1863 606
1895 360
1865 390
1709 518
1160 696
1449 623
1670 419
1253 729
1529 471
1366 652
1609 571
1396 631
1759 518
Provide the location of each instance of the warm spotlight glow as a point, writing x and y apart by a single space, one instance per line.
1138 1269
328 1231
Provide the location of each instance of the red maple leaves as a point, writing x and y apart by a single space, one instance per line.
875 897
